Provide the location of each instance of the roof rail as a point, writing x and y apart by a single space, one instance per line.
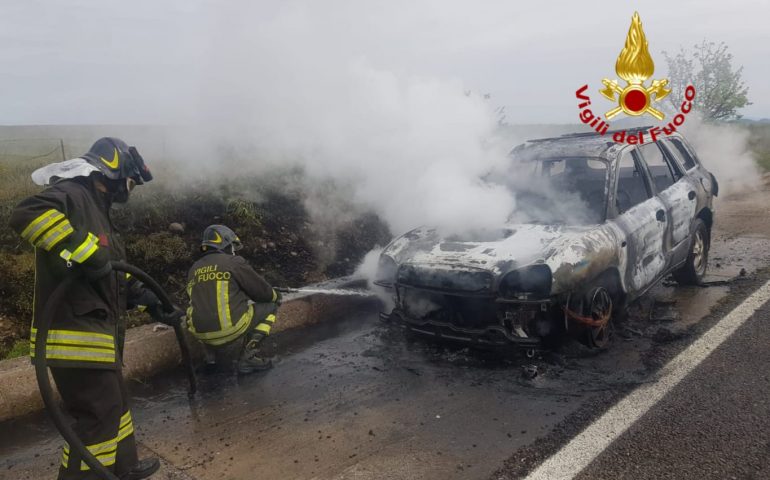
591 134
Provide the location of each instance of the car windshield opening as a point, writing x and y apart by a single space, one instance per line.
567 190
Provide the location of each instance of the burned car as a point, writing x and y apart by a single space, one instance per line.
596 225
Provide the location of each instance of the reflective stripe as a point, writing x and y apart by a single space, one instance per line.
93 335
125 432
74 337
270 318
125 419
126 426
84 251
40 224
55 235
66 255
223 305
225 336
105 458
264 328
76 345
105 452
275 296
85 354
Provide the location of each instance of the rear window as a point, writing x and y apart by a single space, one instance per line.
687 161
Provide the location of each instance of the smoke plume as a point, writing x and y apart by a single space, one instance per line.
284 90
724 151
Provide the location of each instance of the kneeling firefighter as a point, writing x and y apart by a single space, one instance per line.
229 301
69 225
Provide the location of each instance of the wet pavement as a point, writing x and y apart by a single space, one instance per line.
715 424
357 399
362 401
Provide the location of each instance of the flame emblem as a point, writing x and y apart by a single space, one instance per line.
635 66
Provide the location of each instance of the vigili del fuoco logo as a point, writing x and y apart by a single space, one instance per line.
634 66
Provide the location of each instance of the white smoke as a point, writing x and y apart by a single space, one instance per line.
725 152
282 89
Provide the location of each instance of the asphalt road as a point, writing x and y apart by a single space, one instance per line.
358 399
714 424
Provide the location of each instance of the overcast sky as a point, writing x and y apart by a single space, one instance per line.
149 61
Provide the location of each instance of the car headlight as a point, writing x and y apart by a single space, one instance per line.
386 271
528 283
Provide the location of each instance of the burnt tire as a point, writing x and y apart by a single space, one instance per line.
694 269
594 315
598 307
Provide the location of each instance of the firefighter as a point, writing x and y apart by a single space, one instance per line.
69 225
229 301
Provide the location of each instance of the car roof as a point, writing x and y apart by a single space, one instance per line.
590 144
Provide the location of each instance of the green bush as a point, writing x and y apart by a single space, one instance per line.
159 253
243 214
20 348
17 285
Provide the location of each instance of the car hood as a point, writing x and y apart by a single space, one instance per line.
497 251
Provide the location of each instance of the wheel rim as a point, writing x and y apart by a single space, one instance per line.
699 253
601 308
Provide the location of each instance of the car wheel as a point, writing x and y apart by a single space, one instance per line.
694 269
599 310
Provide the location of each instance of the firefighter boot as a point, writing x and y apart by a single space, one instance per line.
250 360
144 469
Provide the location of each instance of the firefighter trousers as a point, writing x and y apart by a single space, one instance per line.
98 401
262 322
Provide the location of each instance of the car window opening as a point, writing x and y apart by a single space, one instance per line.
657 166
570 190
688 160
632 189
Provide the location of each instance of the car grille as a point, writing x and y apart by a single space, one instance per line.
461 311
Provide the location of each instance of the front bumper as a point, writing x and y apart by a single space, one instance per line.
488 336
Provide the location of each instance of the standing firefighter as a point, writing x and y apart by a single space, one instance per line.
69 225
229 301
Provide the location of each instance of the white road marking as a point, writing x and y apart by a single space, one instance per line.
586 446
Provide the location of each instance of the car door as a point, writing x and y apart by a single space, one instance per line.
678 194
642 218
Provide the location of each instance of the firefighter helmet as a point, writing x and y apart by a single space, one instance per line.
220 237
116 160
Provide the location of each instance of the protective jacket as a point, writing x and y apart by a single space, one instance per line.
69 225
220 286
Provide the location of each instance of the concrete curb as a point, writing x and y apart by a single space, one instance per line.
152 349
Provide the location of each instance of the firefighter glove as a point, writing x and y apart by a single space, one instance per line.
172 318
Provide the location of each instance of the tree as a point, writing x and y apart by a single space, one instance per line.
719 88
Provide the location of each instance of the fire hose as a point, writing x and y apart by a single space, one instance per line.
41 364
